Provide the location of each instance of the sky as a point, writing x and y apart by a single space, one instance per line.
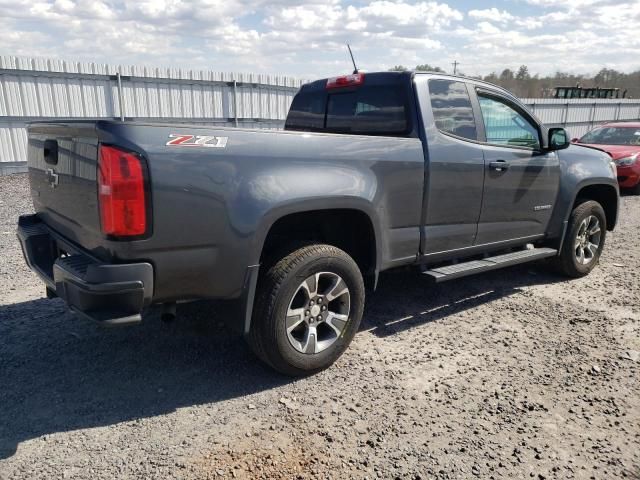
307 38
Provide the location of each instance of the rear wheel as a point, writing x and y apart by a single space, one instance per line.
584 240
308 308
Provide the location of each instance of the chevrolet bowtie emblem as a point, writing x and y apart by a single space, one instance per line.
52 178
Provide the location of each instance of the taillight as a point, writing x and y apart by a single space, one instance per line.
346 80
121 193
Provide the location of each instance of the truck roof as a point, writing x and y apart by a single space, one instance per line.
407 75
466 79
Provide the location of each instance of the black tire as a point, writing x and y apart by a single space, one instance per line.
277 287
567 262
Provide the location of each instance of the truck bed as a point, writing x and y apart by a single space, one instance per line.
208 199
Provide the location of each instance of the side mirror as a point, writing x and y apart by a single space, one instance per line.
558 139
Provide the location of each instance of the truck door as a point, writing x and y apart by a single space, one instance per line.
520 181
454 166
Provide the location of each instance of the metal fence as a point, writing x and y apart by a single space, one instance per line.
579 115
36 89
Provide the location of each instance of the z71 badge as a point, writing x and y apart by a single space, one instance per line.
179 140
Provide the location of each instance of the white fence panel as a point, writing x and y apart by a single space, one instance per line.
13 144
35 89
579 115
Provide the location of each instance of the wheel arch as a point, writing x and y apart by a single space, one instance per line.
606 195
352 228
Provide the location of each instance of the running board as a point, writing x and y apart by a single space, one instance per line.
450 272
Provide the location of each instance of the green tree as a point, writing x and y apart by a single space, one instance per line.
523 73
506 75
607 76
398 68
428 68
492 78
523 83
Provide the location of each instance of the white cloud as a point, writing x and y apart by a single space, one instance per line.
488 28
492 14
307 37
429 15
529 23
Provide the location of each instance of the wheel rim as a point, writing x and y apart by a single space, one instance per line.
318 312
587 240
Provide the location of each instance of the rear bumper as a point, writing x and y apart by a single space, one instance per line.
109 293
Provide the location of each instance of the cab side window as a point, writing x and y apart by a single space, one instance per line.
452 109
504 125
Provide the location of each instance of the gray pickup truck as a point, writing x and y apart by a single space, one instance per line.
373 171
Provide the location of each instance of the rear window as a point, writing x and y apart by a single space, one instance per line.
452 110
366 110
306 112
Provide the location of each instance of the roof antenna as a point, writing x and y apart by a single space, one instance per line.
355 69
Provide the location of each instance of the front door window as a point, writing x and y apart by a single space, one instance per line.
504 125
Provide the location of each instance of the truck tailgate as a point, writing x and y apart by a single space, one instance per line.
62 161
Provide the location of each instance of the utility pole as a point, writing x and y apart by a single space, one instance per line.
455 66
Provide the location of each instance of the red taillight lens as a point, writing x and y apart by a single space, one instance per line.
346 80
121 195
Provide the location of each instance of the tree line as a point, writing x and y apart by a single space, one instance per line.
522 84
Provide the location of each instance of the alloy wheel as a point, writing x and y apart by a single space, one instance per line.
318 312
587 241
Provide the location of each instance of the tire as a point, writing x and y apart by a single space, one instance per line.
578 255
296 331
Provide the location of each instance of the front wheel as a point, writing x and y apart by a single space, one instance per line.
584 240
308 308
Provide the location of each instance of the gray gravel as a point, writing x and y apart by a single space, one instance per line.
513 374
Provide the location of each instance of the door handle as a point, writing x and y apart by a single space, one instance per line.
499 165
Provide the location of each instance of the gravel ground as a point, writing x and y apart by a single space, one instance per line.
512 374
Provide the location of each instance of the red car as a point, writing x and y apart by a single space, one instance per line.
621 140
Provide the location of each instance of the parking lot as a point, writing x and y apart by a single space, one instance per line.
513 374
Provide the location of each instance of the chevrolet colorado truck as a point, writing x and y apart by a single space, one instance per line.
373 171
